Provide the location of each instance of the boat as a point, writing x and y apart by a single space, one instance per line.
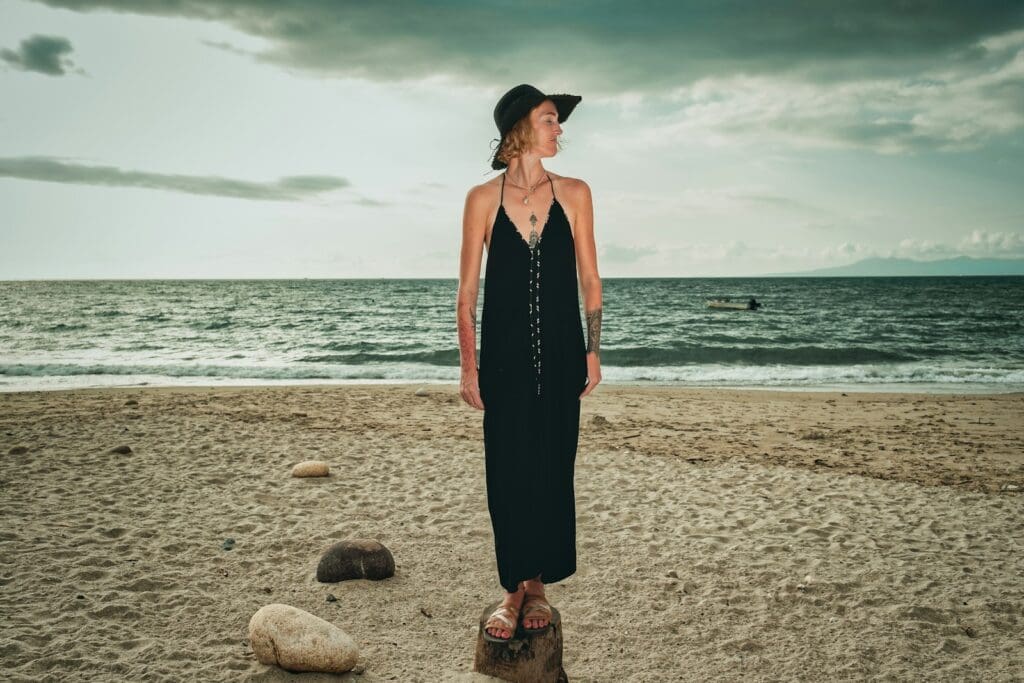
751 305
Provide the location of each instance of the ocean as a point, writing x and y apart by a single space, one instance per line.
932 334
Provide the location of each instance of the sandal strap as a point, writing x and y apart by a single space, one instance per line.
535 604
504 614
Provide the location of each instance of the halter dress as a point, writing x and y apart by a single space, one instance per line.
532 370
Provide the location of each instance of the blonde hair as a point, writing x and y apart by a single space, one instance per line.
520 140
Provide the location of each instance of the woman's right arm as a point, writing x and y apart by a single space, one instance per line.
474 225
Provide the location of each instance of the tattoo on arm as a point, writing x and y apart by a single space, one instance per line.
467 337
594 331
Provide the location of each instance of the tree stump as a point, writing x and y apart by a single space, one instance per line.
526 657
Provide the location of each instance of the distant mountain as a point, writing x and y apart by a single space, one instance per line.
875 267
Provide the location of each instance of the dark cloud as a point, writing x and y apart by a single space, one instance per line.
57 171
43 54
605 46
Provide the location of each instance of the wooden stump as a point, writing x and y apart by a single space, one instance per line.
526 657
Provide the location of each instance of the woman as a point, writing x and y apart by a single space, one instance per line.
533 368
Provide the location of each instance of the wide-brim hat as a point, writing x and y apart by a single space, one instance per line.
517 103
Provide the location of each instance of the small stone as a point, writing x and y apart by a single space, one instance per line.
358 558
131 402
422 391
296 640
673 574
311 468
122 450
1010 487
228 544
18 450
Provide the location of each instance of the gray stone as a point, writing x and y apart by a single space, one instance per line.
357 558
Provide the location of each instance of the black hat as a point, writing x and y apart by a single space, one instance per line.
517 103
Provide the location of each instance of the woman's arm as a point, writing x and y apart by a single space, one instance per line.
474 224
590 281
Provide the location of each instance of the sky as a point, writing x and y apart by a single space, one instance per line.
332 139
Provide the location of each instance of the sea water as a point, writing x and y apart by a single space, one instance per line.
943 334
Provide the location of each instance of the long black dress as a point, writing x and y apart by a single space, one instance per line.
532 369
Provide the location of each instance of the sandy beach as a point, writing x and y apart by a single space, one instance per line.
722 535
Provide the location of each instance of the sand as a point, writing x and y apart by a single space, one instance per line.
722 535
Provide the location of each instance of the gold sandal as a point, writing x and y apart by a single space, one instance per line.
504 617
536 607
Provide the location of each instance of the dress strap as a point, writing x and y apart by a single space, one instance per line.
552 187
502 200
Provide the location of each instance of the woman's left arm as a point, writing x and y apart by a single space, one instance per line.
590 281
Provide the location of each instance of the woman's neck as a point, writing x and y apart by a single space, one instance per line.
525 171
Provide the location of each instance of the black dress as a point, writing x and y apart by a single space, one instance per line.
533 368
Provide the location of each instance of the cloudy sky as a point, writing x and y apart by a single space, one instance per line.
233 138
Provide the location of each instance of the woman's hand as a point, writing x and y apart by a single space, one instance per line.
469 387
593 372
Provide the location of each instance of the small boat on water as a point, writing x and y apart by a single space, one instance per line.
751 305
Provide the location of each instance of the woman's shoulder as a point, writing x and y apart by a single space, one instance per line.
574 190
486 188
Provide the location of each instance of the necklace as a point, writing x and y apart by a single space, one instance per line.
529 191
533 217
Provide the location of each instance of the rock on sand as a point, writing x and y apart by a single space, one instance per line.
357 558
296 640
311 468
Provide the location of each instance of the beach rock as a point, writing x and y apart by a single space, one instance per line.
311 468
122 450
296 640
131 402
358 558
599 422
18 450
422 391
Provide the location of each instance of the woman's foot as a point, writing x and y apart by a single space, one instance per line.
536 609
502 622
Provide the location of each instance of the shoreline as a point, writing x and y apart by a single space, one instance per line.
930 390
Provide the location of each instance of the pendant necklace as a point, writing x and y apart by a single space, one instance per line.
533 216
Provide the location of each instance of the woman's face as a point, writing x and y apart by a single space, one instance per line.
546 128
